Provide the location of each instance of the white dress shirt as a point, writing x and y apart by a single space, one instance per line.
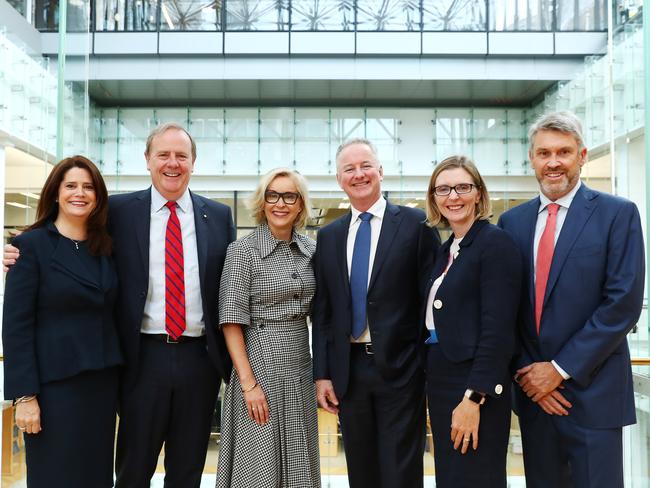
564 203
153 321
377 210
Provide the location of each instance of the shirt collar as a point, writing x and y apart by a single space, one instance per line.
267 242
158 201
377 210
564 201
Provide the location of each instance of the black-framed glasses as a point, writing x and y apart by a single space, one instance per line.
288 197
460 189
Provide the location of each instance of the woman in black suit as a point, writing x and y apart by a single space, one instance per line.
473 295
60 343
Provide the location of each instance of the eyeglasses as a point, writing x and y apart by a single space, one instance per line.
288 197
460 189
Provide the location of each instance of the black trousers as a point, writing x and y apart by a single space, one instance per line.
446 385
172 403
383 427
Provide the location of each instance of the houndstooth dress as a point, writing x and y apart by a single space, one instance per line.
267 286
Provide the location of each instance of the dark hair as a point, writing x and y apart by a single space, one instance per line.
98 239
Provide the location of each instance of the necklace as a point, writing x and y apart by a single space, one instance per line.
76 243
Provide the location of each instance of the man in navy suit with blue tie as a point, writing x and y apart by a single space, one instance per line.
584 274
370 266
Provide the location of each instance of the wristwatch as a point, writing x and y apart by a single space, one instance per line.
475 396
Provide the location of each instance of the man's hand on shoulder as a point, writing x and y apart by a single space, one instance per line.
539 379
11 254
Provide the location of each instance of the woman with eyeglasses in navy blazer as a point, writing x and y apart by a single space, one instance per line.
473 296
61 348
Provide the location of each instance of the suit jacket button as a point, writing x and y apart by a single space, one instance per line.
498 389
437 304
143 294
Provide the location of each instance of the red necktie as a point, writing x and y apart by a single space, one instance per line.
544 258
174 276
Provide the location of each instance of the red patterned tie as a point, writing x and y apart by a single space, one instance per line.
174 276
544 258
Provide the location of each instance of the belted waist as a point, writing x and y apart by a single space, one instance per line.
170 340
363 347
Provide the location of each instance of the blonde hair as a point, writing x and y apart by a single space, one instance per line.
256 201
483 209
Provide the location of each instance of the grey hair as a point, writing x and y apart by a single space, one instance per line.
162 128
565 121
358 140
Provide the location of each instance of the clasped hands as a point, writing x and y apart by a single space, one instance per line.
542 383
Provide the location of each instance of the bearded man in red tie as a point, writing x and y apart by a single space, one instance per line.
584 274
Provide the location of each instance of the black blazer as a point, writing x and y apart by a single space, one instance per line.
58 315
129 223
403 259
475 310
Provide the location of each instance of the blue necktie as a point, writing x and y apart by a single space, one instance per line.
359 275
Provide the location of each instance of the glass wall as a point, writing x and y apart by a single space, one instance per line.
333 15
250 141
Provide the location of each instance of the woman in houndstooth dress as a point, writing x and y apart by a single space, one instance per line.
269 434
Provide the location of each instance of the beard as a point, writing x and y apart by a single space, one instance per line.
557 189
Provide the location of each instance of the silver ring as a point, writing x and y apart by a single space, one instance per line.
466 439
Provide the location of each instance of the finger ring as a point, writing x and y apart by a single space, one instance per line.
253 408
466 439
21 428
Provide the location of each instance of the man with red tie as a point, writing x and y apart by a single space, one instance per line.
584 274
169 246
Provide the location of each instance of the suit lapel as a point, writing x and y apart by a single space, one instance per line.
66 260
580 211
341 240
202 232
389 227
530 222
440 264
141 223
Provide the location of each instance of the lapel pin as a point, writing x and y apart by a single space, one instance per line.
205 216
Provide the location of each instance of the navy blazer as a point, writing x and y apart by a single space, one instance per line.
593 299
478 302
403 260
58 315
129 224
